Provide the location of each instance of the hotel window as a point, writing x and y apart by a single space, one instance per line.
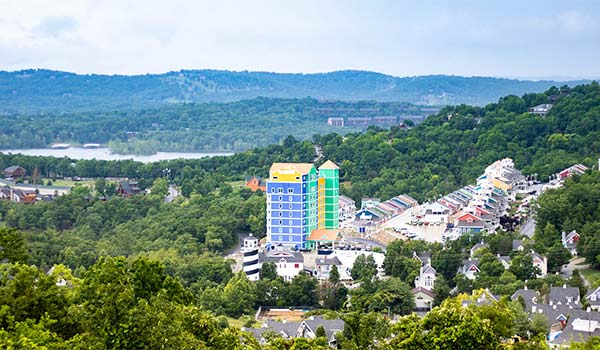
280 190
291 198
280 222
280 198
280 214
275 177
280 206
281 237
290 214
290 206
297 177
289 238
280 230
290 190
273 189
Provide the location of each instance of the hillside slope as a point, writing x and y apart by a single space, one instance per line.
34 91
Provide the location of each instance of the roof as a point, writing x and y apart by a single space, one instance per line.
302 168
328 261
324 235
331 326
329 165
345 199
276 256
561 294
592 292
129 187
528 296
516 243
422 290
12 168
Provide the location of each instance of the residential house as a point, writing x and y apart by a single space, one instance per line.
255 183
305 329
470 268
436 212
529 296
564 296
541 110
570 240
483 297
577 169
324 266
128 188
426 278
476 247
423 299
593 299
347 208
504 260
469 223
288 263
13 172
541 262
369 202
308 328
517 244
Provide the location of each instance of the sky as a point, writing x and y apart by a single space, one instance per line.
534 39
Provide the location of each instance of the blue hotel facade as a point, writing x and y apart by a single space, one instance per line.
291 204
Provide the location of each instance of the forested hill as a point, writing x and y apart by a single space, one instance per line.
34 91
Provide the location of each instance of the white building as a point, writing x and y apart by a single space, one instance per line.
289 264
426 278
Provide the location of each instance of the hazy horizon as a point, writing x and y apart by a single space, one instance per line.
536 40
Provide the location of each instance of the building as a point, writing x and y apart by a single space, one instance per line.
250 262
305 329
255 183
301 200
423 299
288 264
13 172
541 110
569 241
335 122
426 278
359 121
593 299
385 120
347 209
577 169
128 188
324 266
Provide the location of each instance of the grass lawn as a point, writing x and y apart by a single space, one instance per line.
237 184
591 275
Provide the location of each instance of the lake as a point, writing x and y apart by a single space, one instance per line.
105 154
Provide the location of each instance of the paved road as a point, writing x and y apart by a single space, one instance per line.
575 263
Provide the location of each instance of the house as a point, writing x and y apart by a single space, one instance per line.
504 260
570 240
541 110
305 329
366 203
255 183
424 258
563 295
308 328
481 297
517 244
289 264
568 323
335 121
541 262
426 278
324 266
476 247
19 196
128 188
577 169
470 268
436 212
423 299
593 299
13 172
347 208
469 223
529 296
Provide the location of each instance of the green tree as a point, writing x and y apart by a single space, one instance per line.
268 271
239 296
13 246
334 275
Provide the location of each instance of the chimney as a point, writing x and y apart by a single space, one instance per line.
554 307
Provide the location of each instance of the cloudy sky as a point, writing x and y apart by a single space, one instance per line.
526 39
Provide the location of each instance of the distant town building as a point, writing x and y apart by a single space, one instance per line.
385 120
255 183
541 110
128 188
358 121
13 172
335 122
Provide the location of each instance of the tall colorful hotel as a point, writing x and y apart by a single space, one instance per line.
301 202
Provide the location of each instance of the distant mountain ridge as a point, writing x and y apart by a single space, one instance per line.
39 90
